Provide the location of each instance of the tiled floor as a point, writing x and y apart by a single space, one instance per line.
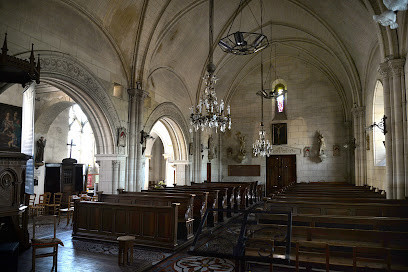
81 256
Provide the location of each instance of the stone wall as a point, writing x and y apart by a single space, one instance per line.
313 105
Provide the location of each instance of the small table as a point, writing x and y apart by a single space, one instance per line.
125 247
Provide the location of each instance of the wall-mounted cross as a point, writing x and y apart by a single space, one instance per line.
70 149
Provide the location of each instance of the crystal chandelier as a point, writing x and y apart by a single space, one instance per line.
262 147
209 113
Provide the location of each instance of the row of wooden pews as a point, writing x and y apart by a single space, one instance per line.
339 226
162 217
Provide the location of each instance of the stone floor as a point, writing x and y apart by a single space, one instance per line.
82 255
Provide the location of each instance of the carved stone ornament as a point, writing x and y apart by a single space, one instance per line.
389 17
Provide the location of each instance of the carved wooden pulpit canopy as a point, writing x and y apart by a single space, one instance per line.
15 70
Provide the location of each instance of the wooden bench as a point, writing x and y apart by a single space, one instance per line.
151 225
234 193
336 208
185 209
214 200
200 201
336 221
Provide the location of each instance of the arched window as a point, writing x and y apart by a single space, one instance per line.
279 88
378 136
81 134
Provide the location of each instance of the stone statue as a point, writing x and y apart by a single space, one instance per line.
322 146
242 152
389 17
39 156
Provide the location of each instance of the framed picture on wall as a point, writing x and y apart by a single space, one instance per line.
10 128
279 134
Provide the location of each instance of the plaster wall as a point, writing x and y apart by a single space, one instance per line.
157 166
57 138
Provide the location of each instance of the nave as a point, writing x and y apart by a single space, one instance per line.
333 226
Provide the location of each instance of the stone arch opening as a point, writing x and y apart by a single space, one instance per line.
166 153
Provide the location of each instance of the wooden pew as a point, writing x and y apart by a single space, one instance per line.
185 210
214 200
284 197
200 201
250 190
336 208
151 225
346 222
235 194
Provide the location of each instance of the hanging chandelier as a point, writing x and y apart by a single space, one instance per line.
243 43
209 113
262 147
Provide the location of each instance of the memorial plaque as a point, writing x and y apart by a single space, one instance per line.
244 170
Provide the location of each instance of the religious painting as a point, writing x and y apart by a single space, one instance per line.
279 134
10 128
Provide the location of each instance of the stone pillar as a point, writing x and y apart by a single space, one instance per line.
132 140
392 72
385 74
140 177
115 175
109 172
359 162
397 69
197 157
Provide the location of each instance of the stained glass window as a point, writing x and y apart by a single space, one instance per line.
280 100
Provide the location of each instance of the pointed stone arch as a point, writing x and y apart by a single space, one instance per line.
72 77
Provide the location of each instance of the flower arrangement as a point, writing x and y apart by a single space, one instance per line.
161 185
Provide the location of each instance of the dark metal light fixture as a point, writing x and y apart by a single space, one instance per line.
243 43
381 125
143 139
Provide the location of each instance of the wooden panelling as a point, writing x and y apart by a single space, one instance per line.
151 225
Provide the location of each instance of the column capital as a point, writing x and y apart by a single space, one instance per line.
115 163
384 70
358 111
397 66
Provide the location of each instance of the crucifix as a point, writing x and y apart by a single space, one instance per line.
70 149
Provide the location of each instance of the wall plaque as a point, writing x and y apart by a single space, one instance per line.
244 170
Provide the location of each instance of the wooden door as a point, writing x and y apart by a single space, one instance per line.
280 171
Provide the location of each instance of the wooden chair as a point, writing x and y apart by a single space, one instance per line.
44 243
43 202
31 204
379 258
55 206
312 252
69 210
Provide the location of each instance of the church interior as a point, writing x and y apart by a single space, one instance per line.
204 135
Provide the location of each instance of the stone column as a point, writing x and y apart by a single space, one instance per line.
392 72
197 157
358 121
132 140
109 172
385 74
397 68
140 97
115 176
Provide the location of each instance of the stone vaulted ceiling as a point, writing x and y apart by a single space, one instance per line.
164 43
